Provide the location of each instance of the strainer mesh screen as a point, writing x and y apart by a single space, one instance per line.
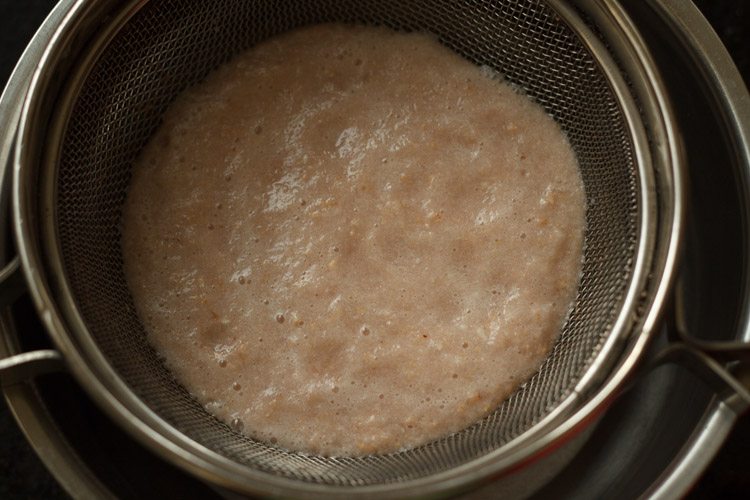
171 44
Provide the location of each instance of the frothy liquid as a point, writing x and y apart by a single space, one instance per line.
350 241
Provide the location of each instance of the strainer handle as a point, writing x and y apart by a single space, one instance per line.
723 365
730 386
22 367
12 284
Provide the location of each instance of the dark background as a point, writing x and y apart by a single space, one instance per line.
22 475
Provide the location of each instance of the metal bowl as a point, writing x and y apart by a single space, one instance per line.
664 13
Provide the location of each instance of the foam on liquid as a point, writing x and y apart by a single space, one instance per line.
349 241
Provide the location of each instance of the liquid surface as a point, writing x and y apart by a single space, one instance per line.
350 241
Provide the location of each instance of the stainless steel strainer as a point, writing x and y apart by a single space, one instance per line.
98 95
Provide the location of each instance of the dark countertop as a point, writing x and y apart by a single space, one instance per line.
22 474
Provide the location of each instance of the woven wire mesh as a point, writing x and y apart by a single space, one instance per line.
171 44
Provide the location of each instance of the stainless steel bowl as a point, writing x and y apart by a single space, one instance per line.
648 315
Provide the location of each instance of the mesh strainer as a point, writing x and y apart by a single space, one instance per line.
98 95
